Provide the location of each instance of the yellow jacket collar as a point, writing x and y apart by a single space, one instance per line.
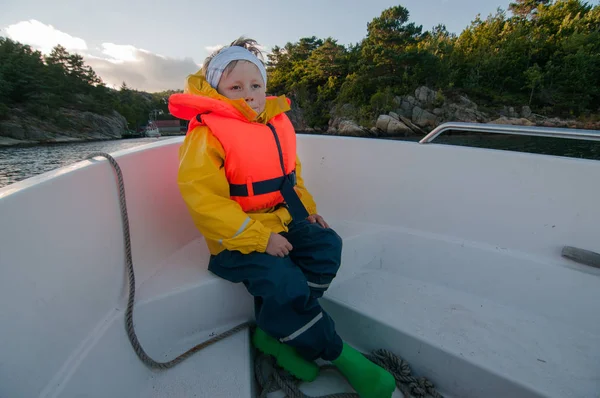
196 84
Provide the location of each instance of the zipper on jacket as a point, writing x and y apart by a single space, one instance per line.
278 147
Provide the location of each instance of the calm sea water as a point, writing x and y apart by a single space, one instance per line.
541 145
18 163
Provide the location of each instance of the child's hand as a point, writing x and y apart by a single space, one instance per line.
317 218
278 246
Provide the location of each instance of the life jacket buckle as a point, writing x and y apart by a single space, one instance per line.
292 178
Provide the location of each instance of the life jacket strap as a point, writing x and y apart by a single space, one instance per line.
262 187
284 184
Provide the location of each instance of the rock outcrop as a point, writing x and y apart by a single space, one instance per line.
22 128
392 127
424 118
518 121
427 109
296 115
416 115
425 95
352 129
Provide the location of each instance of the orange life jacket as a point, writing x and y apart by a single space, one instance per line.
260 160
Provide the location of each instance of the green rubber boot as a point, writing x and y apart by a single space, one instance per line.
368 379
286 356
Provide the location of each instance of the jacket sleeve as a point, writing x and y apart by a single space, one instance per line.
205 190
305 196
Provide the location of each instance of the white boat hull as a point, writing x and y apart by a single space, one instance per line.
153 132
452 260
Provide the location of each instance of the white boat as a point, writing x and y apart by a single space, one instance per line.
452 260
152 130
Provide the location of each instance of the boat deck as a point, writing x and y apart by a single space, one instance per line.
487 335
490 334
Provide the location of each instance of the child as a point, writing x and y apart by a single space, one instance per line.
242 182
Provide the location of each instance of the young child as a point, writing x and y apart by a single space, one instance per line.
242 182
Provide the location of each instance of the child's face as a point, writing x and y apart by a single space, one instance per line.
244 81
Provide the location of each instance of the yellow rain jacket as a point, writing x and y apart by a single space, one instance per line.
205 189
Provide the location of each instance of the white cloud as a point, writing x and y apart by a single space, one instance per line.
119 53
44 37
114 63
141 69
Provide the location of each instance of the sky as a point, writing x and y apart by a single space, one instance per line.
153 45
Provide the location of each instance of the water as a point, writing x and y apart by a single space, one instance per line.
578 149
18 163
542 145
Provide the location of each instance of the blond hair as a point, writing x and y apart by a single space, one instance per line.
247 43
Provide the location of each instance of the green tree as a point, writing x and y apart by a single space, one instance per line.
311 72
534 77
390 52
545 53
527 8
22 72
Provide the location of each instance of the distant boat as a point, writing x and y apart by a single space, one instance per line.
152 130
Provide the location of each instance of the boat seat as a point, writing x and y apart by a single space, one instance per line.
179 306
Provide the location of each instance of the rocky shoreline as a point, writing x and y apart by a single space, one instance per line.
412 116
24 129
419 114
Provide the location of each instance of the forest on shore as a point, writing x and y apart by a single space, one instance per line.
542 54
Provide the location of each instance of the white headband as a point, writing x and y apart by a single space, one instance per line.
234 53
